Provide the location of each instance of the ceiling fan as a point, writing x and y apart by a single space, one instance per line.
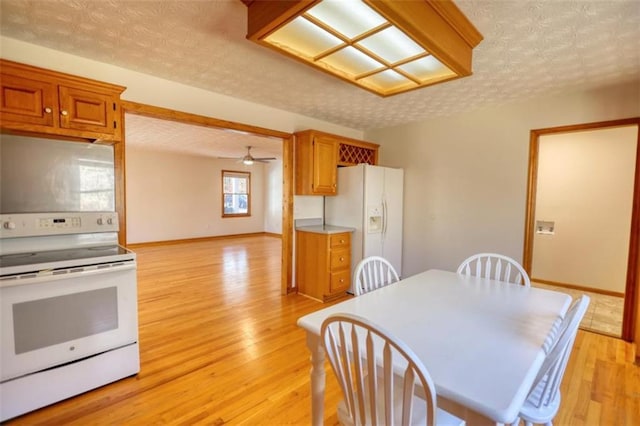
249 159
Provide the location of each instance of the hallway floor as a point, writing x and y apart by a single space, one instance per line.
604 314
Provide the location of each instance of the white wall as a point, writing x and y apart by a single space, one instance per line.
466 175
308 207
585 186
175 196
273 197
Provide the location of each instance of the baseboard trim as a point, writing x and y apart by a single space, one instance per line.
199 239
272 234
579 287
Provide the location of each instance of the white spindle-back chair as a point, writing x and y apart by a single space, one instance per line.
543 402
376 390
372 273
495 266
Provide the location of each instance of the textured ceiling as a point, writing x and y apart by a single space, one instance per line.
155 134
530 48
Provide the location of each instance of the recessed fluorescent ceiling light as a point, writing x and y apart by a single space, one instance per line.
384 46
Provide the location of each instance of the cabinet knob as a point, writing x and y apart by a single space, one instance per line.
64 112
342 259
341 280
341 241
48 110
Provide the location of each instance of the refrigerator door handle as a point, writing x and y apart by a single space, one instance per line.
384 218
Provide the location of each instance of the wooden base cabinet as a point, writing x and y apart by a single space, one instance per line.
35 100
323 264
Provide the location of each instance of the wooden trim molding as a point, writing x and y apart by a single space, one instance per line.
119 165
631 320
272 234
287 171
532 187
196 239
287 215
578 287
186 117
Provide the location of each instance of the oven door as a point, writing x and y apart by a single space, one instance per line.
48 320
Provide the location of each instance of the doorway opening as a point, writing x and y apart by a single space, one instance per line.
583 217
187 118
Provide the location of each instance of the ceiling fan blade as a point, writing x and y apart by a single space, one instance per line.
264 158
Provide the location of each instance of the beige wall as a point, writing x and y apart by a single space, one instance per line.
466 175
585 186
175 196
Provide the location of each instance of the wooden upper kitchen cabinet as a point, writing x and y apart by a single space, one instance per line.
40 101
323 264
317 156
316 161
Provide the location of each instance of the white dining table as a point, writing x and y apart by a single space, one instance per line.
482 341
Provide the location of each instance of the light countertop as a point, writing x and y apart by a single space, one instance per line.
325 229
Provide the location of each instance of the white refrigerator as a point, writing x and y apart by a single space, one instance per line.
370 200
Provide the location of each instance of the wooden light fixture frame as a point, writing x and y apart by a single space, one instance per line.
450 38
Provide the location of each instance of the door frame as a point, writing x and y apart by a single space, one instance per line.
630 328
200 120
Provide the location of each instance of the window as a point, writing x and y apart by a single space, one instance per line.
96 184
236 193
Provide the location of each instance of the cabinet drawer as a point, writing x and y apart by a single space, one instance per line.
340 259
340 281
340 240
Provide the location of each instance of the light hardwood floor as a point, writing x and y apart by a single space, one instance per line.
220 345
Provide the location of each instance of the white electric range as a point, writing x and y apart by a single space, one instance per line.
68 307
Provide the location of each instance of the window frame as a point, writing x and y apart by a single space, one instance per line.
237 174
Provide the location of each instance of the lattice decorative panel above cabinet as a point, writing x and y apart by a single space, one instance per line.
351 155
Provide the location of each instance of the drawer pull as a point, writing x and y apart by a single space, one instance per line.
342 259
341 241
48 110
341 280
65 113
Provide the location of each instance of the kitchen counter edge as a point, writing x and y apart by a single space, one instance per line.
325 229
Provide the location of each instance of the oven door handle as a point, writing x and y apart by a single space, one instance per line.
55 275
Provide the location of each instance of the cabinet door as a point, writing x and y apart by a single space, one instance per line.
87 110
325 163
27 101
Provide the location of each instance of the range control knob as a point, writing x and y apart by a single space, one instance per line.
9 225
110 221
99 221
